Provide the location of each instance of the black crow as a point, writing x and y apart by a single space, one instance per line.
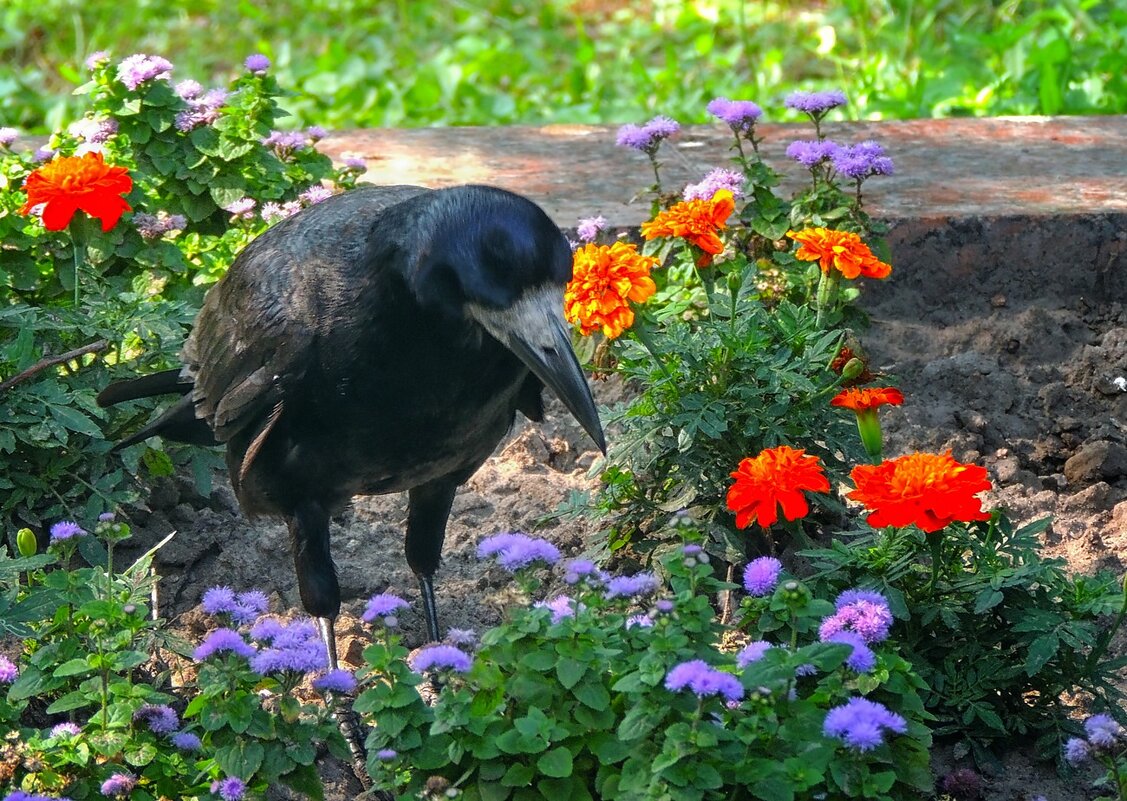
379 341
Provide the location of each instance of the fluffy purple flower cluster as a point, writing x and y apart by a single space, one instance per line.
7 136
257 63
315 194
287 648
863 612
66 530
812 152
141 68
230 789
577 570
188 89
752 652
383 607
704 680
243 208
244 607
272 212
516 551
562 606
284 143
1103 732
861 723
202 109
639 621
153 226
862 659
8 670
223 641
716 179
186 741
463 637
761 576
65 729
97 59
647 138
160 718
740 115
440 657
589 227
862 160
335 681
119 784
20 795
815 103
631 586
93 131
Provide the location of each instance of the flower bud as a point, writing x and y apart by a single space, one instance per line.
853 368
26 543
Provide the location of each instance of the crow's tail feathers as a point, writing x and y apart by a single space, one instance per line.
178 422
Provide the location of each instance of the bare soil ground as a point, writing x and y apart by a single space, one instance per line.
1008 370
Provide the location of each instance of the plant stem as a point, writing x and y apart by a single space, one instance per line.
935 543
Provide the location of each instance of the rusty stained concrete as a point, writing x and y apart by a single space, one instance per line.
945 168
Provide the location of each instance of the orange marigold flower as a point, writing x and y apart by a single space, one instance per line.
72 183
840 250
868 398
696 221
927 489
774 478
604 280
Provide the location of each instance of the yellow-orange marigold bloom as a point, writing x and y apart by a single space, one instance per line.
72 183
604 281
774 478
867 398
696 221
839 250
929 490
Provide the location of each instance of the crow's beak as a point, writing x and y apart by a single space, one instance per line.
533 328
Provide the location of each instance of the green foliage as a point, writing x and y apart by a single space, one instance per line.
500 61
569 700
1007 642
126 296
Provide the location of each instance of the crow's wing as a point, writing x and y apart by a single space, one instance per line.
256 333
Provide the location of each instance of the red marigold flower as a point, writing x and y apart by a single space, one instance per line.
604 281
867 398
927 489
72 183
839 250
774 478
696 221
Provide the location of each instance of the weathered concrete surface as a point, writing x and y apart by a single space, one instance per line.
949 168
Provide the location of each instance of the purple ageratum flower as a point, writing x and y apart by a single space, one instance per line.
66 729
861 723
752 652
440 657
761 575
386 754
97 59
109 517
249 606
383 606
203 110
257 63
491 546
849 597
861 659
149 226
1077 751
284 143
862 160
229 789
272 211
631 586
20 795
647 138
218 601
188 89
141 68
812 152
307 656
815 103
692 549
66 530
662 127
7 136
578 569
316 133
242 208
8 670
335 681
118 785
870 620
463 637
1102 730
703 680
94 131
315 194
160 718
663 605
223 641
266 629
525 553
186 741
562 606
356 163
588 228
740 115
713 182
639 621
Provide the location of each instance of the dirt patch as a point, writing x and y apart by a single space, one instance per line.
1006 363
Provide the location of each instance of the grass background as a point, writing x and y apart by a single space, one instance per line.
369 63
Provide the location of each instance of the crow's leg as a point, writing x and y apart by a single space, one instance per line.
427 512
320 595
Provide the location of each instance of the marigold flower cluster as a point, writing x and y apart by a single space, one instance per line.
927 490
839 250
775 478
71 184
605 279
862 399
695 221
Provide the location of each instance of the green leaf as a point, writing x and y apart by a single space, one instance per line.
73 700
1041 650
987 599
73 667
518 775
74 420
592 694
570 671
556 763
241 758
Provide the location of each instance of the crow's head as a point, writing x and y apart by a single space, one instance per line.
497 259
